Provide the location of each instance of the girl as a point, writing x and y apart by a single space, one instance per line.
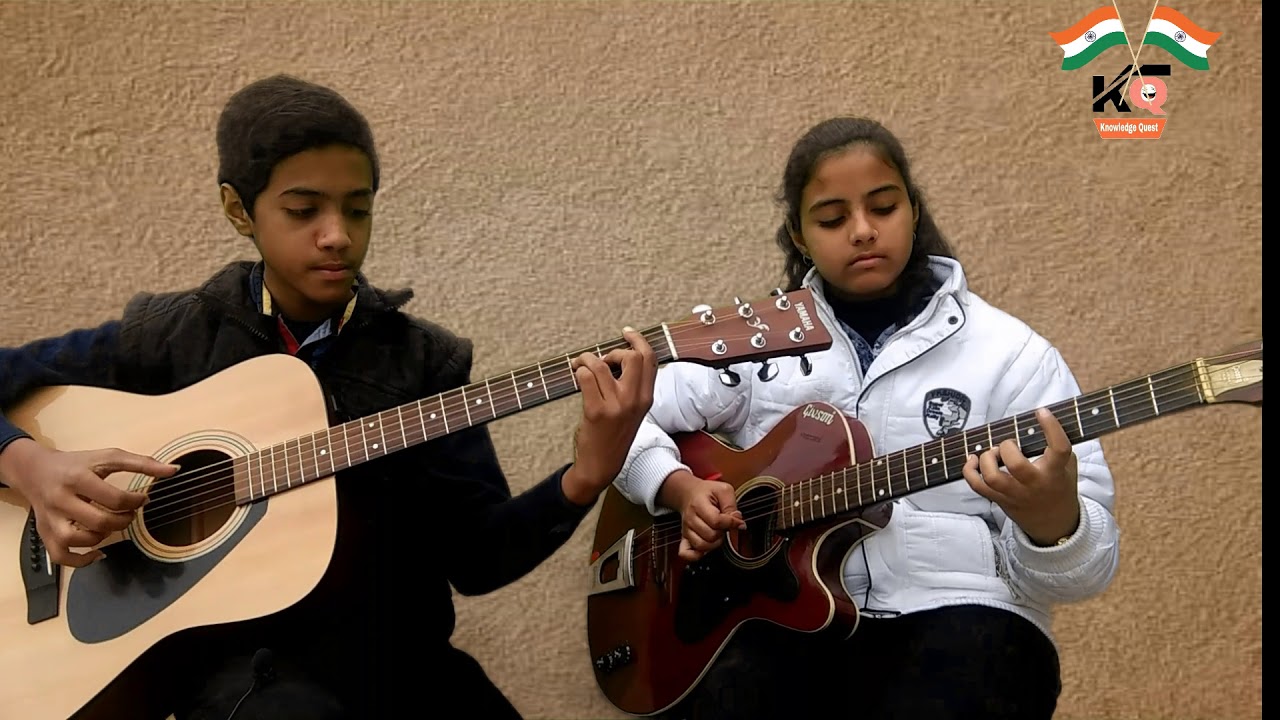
956 591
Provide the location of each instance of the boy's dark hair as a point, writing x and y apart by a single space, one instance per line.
277 117
832 137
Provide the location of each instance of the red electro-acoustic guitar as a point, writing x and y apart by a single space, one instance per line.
247 527
810 491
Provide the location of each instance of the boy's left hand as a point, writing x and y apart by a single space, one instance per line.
1041 497
612 410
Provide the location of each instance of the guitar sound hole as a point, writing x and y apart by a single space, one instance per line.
759 507
194 503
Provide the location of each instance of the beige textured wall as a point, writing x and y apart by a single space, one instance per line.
557 170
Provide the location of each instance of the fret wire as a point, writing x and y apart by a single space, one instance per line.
569 364
543 378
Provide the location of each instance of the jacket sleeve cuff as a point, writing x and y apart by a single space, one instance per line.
568 514
1076 551
10 432
648 471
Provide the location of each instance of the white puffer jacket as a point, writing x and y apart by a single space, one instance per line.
945 545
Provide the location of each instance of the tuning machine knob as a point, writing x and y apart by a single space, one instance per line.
806 367
781 302
705 313
729 378
768 371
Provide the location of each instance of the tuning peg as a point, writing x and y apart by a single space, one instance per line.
806 367
706 312
768 371
776 292
729 378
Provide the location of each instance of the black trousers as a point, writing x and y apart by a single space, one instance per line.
964 662
275 687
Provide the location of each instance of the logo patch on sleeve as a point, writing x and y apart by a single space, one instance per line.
945 411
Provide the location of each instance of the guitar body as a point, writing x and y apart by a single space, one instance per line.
655 622
186 562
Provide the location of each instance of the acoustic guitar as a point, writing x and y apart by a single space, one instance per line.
810 491
246 528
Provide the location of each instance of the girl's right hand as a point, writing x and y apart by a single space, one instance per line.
708 509
74 505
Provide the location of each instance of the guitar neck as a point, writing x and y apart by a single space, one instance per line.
1085 417
744 332
300 460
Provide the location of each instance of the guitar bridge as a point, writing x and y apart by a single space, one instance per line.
39 574
613 569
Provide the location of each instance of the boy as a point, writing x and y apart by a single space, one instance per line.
298 175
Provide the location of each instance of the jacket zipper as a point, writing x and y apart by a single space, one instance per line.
853 353
858 403
245 323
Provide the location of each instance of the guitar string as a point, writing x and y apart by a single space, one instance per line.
152 521
1136 395
505 401
669 532
1176 400
1133 398
176 489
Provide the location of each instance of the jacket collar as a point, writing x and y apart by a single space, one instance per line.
231 290
946 271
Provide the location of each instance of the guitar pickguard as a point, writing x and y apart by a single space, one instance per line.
713 587
127 588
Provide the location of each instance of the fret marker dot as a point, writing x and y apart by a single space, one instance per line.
528 385
934 462
433 416
797 504
1031 431
977 448
322 452
1094 411
375 446
882 491
370 424
879 462
815 498
839 490
479 402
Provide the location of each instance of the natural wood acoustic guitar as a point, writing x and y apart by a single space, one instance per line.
246 528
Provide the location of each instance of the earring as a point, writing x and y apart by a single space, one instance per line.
807 260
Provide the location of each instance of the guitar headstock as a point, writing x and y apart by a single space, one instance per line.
786 324
1234 376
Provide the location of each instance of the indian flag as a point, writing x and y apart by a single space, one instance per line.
1085 40
1183 39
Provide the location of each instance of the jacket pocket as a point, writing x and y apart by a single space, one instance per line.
936 550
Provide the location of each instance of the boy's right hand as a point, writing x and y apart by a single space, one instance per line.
62 488
708 509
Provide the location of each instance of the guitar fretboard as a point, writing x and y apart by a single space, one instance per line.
309 457
940 461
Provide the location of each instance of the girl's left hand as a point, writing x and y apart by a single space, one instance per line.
1041 496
